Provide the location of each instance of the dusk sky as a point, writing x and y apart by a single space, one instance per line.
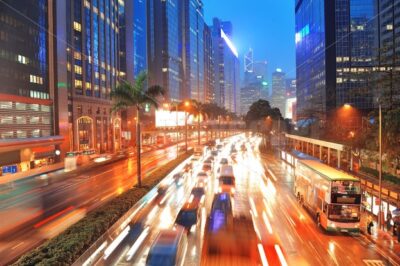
267 26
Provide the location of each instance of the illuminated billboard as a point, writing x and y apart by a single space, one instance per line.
290 108
169 119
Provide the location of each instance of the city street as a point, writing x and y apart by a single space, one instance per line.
38 209
287 232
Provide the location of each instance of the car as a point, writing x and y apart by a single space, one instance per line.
214 152
243 147
223 161
198 194
189 215
188 167
179 178
221 211
161 194
203 176
207 167
219 147
169 248
226 180
210 158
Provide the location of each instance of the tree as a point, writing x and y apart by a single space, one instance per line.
213 111
127 95
260 110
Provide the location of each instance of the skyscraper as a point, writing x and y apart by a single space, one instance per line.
278 90
27 85
139 36
88 68
226 67
342 48
164 47
209 77
193 49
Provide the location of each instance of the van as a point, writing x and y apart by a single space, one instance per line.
169 248
226 180
189 215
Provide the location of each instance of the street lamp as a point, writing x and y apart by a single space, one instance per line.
187 104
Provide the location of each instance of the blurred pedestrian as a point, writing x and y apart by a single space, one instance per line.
369 226
388 221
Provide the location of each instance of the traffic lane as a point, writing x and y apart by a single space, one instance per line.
88 192
162 216
303 242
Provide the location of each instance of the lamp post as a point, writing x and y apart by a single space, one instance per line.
166 105
186 127
380 167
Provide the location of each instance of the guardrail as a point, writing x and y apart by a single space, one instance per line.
93 253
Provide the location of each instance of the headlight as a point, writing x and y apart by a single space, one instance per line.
232 190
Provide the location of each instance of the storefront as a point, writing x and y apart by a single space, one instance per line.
371 203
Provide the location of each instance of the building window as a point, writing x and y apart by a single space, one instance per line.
21 134
20 119
35 79
78 69
22 59
79 109
389 27
34 120
45 108
45 133
77 26
6 120
34 107
45 120
35 133
7 135
6 105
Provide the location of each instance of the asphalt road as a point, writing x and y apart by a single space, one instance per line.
287 233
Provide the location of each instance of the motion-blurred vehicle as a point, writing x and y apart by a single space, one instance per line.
221 207
210 158
189 215
161 194
202 176
169 248
219 147
236 244
243 147
207 166
179 178
214 152
198 194
188 168
226 180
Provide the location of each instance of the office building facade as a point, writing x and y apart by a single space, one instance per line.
193 49
226 66
343 48
88 70
164 47
209 77
28 134
278 96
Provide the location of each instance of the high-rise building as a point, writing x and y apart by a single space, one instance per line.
226 66
208 66
28 132
139 36
290 87
193 49
278 98
87 70
164 47
342 46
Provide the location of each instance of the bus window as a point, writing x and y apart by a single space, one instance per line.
325 208
344 213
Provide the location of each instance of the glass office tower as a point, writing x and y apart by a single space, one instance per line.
26 86
164 47
345 50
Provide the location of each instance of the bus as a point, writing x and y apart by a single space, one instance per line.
333 196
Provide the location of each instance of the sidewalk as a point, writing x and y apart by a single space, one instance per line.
380 237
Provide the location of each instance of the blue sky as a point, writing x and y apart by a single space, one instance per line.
267 26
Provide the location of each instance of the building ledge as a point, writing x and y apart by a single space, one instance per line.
7 145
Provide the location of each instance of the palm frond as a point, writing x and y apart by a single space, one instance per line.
119 106
140 81
124 91
150 100
155 91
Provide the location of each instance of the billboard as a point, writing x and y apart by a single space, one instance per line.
290 108
169 119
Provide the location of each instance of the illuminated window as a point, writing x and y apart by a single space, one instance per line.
20 119
77 55
77 26
87 4
96 75
21 134
6 105
389 27
6 120
164 69
68 66
45 108
20 106
34 120
103 77
78 83
88 85
35 133
23 60
7 135
35 79
339 80
78 69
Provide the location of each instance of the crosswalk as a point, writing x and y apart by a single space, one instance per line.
374 263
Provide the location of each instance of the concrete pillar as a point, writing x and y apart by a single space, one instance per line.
338 159
320 152
329 155
313 149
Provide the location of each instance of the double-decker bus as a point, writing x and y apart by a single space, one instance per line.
332 195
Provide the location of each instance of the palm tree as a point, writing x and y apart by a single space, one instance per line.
127 95
196 108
